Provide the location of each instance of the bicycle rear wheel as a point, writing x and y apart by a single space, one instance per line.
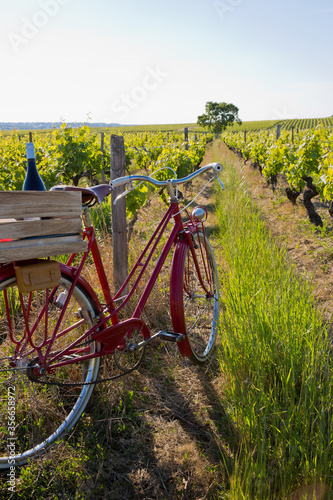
194 298
33 413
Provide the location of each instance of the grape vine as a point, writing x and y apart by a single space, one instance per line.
73 156
306 162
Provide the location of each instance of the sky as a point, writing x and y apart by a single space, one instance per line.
155 62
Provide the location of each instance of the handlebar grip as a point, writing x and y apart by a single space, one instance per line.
217 167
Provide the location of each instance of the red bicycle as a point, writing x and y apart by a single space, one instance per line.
52 339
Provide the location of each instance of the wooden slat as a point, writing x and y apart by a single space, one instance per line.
45 250
62 210
28 228
37 242
23 204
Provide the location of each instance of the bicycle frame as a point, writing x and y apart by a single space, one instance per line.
110 338
54 328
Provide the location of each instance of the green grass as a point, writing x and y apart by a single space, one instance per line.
276 360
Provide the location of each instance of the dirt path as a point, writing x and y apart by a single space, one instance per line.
175 435
172 436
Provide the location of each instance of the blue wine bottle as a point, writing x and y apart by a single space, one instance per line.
33 181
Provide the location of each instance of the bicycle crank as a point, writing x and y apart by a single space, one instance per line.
128 355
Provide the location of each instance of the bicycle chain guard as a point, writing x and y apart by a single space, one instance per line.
112 337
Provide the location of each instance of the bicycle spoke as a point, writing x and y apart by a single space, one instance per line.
43 412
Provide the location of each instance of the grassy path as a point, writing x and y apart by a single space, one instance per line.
276 360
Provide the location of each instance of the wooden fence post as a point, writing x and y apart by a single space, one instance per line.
119 226
278 130
186 137
103 158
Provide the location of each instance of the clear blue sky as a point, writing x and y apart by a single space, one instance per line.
146 62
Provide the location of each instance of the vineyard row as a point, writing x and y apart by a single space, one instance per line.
288 124
306 163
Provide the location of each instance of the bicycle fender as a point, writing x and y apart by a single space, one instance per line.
176 296
7 271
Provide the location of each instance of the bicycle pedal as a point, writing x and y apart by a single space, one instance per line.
171 336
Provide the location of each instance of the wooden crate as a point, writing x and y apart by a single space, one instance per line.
40 224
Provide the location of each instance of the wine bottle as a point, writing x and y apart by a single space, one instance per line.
33 181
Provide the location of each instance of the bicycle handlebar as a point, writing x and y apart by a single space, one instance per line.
121 181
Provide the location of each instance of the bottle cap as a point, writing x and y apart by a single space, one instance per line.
30 148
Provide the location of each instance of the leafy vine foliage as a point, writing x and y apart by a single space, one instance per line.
73 156
306 162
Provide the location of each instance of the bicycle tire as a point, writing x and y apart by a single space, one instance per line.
195 313
41 414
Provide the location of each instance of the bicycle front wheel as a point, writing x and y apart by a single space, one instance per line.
34 413
194 298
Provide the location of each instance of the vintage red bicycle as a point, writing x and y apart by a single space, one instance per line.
53 336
